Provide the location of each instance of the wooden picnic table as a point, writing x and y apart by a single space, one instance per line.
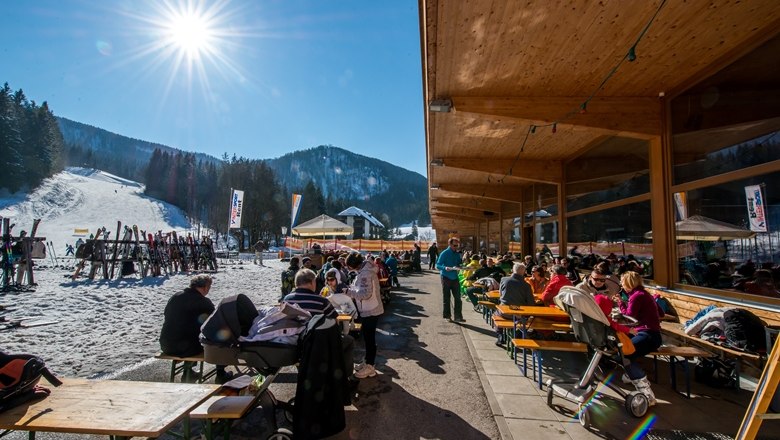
519 313
495 296
117 408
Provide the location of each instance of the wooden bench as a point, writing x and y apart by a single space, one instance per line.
487 308
178 363
675 331
673 353
537 347
234 401
685 305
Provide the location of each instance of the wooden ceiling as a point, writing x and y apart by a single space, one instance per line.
509 65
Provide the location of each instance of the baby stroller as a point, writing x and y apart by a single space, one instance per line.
220 335
591 327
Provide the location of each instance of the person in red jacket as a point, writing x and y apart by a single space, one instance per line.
557 281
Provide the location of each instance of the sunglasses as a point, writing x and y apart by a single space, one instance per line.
599 280
330 279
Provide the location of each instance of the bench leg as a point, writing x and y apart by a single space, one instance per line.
173 371
673 371
539 354
687 371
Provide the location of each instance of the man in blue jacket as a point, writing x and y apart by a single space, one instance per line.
448 264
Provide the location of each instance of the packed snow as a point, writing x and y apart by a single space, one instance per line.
83 198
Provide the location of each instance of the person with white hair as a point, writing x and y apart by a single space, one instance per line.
514 292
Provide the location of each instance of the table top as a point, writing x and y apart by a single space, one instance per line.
539 311
109 407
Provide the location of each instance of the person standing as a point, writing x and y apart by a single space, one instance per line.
259 248
433 254
366 292
184 314
288 277
448 264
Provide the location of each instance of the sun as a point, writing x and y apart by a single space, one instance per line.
191 33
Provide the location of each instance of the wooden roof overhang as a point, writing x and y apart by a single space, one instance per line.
506 66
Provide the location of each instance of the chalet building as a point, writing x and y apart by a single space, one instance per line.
364 224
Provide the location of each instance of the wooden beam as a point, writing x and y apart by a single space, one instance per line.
469 202
628 116
465 219
544 171
465 211
595 168
509 193
458 215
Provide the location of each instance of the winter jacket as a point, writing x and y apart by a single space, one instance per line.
185 312
553 287
642 307
366 286
515 291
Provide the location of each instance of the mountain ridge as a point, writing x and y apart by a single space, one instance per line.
366 182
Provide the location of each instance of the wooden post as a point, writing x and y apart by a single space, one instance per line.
759 404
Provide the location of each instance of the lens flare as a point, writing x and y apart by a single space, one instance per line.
104 47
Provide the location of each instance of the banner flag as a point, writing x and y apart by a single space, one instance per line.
296 208
236 206
755 207
681 205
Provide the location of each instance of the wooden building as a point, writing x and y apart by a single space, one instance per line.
605 114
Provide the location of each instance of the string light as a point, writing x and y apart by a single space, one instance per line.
582 109
632 53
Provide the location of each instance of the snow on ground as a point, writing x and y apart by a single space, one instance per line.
104 326
107 326
424 233
84 198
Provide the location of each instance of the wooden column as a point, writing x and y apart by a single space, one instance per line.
500 232
487 236
562 230
664 252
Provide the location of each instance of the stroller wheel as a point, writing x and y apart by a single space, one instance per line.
288 408
584 416
281 434
636 404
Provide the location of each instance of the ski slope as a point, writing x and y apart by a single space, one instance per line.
84 198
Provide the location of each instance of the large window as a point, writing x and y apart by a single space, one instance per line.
726 157
621 233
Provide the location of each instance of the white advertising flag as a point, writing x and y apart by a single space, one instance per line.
296 208
236 206
755 207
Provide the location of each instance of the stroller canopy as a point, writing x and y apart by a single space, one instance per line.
582 302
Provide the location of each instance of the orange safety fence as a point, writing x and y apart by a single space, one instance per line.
299 244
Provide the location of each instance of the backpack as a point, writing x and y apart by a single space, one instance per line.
19 376
288 280
744 330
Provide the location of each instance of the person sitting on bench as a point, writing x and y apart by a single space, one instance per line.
184 314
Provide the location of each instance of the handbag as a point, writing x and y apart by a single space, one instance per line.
628 346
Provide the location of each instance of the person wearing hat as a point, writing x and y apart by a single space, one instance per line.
307 264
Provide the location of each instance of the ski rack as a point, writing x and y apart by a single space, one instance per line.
12 262
151 254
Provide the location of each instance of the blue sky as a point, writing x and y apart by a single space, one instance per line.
266 77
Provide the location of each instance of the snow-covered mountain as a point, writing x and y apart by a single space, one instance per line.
83 198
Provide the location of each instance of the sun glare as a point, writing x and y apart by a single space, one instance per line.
190 33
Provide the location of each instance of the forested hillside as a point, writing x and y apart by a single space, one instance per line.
338 175
93 147
30 141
